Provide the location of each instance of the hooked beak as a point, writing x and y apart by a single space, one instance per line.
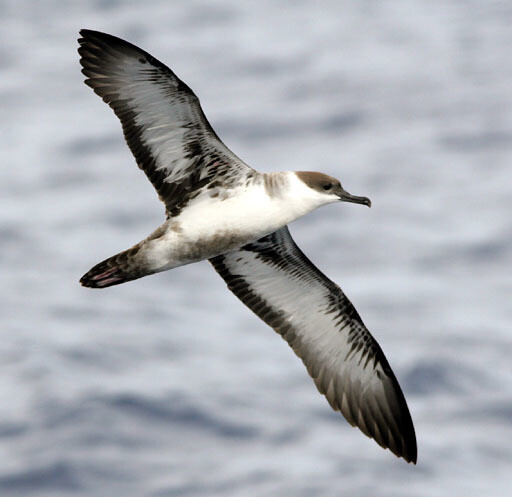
347 197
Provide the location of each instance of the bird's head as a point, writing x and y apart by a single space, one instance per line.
328 189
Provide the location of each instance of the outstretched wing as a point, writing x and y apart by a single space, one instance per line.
281 286
163 122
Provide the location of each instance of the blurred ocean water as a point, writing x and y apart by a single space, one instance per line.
168 386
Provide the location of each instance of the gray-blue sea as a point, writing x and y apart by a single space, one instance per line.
169 386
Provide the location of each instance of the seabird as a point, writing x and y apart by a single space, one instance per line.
218 208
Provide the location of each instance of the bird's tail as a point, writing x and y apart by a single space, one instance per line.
119 268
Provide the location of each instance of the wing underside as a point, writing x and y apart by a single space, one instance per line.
162 119
281 286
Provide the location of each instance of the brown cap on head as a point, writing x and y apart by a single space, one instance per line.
330 186
315 180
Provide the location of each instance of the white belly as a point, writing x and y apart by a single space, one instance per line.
253 213
210 226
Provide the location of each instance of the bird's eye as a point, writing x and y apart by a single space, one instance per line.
327 186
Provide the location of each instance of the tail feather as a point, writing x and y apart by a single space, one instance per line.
115 270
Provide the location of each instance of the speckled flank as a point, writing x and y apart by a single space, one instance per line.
274 183
175 226
206 248
165 248
159 232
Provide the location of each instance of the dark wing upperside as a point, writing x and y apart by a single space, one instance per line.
162 120
282 287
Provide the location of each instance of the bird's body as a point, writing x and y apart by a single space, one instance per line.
220 209
222 219
218 220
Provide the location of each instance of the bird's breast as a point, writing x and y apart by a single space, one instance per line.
214 225
211 226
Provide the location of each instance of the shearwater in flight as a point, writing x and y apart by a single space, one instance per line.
218 208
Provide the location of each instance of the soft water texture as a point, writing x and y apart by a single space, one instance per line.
168 386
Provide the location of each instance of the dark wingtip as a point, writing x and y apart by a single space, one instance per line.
107 41
410 448
410 455
414 454
91 33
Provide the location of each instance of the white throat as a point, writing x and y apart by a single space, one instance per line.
302 198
